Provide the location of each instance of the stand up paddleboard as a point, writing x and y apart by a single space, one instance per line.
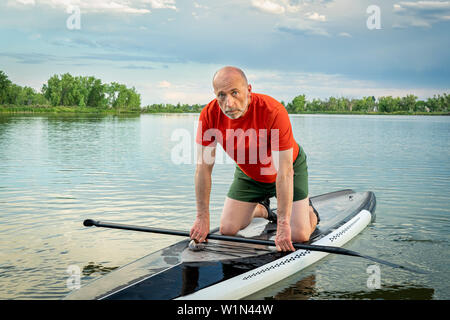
231 270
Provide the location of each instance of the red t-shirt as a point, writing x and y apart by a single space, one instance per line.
248 140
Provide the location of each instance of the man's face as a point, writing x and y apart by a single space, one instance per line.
233 94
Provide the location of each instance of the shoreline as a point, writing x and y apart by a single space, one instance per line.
8 110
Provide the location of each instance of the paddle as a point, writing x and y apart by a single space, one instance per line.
329 249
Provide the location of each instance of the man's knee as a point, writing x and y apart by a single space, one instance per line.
228 229
300 236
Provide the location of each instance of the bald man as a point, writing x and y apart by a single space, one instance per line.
255 130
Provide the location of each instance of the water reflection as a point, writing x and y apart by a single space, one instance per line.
305 289
394 292
301 290
92 268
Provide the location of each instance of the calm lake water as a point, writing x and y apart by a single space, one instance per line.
56 171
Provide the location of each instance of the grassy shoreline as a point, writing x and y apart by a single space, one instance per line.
88 110
62 110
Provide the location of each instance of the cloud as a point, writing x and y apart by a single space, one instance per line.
344 34
200 6
162 4
26 2
303 27
291 21
37 58
77 42
164 84
286 6
423 5
29 58
94 6
268 6
112 6
421 13
315 16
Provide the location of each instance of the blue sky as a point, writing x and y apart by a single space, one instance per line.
169 49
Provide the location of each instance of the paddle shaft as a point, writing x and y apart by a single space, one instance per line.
328 249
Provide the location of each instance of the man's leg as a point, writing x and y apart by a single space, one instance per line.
236 215
303 220
260 212
301 225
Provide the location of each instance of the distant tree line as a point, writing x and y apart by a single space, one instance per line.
389 104
299 104
67 90
171 108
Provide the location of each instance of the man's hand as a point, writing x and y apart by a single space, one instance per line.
283 238
200 229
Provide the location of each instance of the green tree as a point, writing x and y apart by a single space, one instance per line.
25 97
297 105
112 92
366 104
96 96
343 104
432 104
388 104
332 104
5 83
443 102
134 99
69 91
315 106
420 106
75 91
122 97
13 94
52 91
408 103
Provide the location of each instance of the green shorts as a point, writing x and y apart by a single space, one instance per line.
246 189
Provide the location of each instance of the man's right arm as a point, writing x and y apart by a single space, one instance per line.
203 172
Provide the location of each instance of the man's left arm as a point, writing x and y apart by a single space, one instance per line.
285 187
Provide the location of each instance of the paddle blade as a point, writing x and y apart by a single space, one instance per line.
392 265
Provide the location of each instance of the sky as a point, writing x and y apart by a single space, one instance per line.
169 49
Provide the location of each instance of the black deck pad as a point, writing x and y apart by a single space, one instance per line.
187 278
